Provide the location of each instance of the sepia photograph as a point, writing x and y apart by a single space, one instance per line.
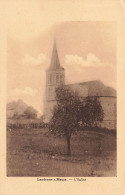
62 93
62 100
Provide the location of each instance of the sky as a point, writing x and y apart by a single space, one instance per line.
87 49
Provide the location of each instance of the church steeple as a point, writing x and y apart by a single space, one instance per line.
55 76
55 63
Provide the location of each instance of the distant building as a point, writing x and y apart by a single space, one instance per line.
55 75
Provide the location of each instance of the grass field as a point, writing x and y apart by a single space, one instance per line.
35 152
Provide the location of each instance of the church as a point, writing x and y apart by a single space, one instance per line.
55 75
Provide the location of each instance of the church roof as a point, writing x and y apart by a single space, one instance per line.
55 63
93 88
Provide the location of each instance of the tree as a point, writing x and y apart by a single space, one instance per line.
30 112
65 119
93 112
70 111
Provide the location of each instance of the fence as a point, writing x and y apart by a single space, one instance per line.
25 124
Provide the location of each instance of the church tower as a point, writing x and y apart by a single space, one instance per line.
55 75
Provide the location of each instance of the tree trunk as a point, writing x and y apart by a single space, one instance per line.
68 147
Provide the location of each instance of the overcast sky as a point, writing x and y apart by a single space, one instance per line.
87 50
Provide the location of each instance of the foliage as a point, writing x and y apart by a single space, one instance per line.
30 112
92 112
71 111
20 110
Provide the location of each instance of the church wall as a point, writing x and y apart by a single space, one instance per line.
49 107
53 79
109 107
109 124
108 104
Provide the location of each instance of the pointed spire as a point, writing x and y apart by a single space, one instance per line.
55 63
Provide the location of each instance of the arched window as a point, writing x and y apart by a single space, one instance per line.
61 78
50 79
57 78
49 91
